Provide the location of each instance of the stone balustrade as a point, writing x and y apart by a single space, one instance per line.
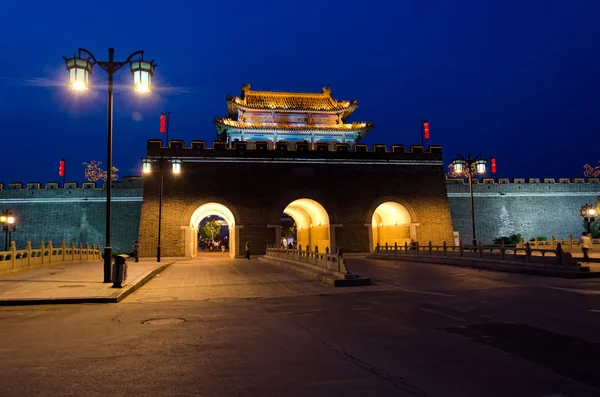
524 256
15 260
325 260
569 244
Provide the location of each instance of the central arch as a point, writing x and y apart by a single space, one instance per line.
312 223
391 223
209 209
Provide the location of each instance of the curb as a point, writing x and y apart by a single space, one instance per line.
308 271
114 298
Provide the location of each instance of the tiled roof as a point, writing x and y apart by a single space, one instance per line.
292 127
298 101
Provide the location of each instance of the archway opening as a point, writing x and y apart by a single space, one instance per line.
310 226
391 224
213 234
214 213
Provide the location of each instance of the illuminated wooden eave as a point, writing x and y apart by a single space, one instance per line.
348 128
300 102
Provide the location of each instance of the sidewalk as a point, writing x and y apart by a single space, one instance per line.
79 282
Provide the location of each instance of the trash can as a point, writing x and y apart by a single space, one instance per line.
119 271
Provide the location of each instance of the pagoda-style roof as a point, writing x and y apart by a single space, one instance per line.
349 127
302 102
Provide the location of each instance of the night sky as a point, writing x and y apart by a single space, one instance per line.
518 80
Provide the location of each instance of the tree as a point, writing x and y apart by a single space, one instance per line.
93 172
288 231
592 172
211 230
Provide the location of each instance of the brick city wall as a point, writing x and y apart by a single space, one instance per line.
258 184
73 213
532 208
257 195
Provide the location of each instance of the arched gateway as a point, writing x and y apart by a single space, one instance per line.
203 211
341 197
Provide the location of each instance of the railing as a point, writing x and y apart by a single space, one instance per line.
15 260
569 244
333 262
526 254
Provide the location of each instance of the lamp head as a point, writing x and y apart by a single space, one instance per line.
79 70
142 72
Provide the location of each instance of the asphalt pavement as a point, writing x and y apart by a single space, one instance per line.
220 327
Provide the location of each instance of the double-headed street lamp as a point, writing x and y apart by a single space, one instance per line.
470 167
589 214
146 169
8 225
80 67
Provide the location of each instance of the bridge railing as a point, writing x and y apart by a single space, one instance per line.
17 260
333 262
526 254
569 244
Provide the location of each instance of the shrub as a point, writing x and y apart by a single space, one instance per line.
510 240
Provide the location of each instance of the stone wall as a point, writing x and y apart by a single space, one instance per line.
73 213
258 192
532 208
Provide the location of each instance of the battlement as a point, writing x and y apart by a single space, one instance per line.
264 149
529 181
125 182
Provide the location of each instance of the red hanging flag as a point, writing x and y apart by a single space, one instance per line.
163 123
426 129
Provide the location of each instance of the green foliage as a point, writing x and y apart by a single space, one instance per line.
290 231
211 230
510 240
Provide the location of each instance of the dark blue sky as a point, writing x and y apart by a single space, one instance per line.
515 79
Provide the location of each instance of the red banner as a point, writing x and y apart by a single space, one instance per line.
163 123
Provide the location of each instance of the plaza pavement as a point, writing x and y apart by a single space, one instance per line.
215 327
78 282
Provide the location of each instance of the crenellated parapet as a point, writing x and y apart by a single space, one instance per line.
528 181
289 150
126 182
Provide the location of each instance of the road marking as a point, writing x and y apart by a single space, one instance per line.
425 292
577 290
442 314
337 382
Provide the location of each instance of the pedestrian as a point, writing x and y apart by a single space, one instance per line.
136 250
248 250
586 245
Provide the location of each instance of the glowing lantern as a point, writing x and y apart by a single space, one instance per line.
176 166
79 72
426 129
61 168
493 163
480 166
457 165
146 166
142 72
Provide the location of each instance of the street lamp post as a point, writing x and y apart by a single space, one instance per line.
80 68
8 225
146 169
469 167
589 213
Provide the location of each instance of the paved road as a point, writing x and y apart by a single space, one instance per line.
217 327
